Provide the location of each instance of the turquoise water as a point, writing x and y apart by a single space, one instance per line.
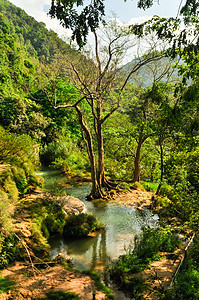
121 223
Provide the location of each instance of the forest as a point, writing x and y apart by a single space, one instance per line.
91 114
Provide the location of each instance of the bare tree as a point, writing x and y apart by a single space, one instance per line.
97 77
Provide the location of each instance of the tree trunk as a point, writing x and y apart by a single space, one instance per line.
101 175
136 176
161 167
96 191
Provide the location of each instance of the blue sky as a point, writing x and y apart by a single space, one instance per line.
128 10
125 11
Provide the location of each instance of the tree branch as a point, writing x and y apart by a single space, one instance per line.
110 113
69 105
138 66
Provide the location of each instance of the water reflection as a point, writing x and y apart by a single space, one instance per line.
89 252
121 223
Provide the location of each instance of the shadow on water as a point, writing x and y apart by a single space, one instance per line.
121 223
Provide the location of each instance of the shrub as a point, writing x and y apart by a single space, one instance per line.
48 218
64 155
150 186
81 225
186 285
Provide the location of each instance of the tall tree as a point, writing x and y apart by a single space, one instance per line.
100 86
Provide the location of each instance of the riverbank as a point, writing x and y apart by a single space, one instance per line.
37 283
136 197
29 280
34 283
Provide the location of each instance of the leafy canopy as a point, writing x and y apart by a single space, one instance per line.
79 17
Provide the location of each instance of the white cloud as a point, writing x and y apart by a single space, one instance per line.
138 20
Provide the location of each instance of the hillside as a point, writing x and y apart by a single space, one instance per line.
161 70
38 41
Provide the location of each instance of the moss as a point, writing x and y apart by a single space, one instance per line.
49 216
6 209
60 295
137 185
5 285
20 179
40 243
10 188
124 186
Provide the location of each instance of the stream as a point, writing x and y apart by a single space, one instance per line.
121 223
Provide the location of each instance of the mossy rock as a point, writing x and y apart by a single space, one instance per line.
81 225
60 295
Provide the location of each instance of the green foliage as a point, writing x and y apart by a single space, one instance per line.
77 226
145 250
79 22
19 161
60 295
17 177
22 115
9 186
181 173
99 285
64 155
155 240
18 150
150 186
119 147
37 39
186 285
10 250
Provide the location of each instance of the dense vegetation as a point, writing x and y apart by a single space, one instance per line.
145 250
53 103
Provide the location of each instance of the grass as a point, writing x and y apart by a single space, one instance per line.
150 186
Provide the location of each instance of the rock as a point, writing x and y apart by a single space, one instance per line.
61 258
71 205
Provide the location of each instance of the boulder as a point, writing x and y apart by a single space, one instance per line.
71 205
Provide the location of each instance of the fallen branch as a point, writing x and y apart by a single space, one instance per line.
31 262
183 258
